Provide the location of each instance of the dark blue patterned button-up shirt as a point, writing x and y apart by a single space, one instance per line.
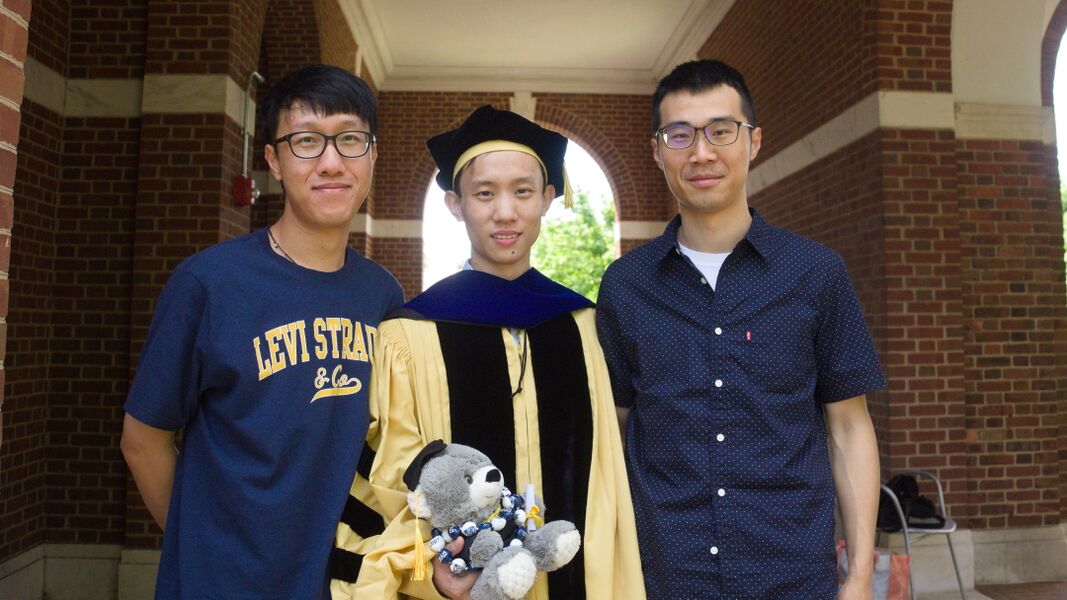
726 440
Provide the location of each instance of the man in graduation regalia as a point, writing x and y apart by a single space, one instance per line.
501 358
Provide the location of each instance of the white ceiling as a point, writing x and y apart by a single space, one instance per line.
580 46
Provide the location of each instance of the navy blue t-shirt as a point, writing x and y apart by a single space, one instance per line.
266 365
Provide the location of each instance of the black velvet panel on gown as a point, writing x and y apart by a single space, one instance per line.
480 389
566 423
479 392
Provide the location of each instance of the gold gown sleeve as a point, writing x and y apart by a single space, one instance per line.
387 566
345 538
612 560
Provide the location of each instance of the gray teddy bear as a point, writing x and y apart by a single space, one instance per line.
460 493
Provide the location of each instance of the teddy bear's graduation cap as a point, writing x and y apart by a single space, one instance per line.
414 470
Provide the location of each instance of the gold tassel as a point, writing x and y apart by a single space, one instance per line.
568 193
418 572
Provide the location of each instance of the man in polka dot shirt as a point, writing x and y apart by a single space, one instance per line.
739 360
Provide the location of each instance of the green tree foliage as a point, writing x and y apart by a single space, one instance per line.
576 248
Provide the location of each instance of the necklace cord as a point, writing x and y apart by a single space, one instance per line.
278 246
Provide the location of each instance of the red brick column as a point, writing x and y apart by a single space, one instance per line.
23 423
923 324
1013 297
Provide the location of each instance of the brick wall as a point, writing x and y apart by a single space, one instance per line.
27 383
29 136
49 32
402 257
1013 296
894 219
807 61
615 130
923 328
955 248
90 325
912 44
204 37
70 309
338 46
107 39
804 62
287 40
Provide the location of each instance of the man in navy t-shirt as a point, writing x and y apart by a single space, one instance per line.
260 350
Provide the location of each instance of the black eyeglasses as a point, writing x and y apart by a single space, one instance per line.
720 132
311 144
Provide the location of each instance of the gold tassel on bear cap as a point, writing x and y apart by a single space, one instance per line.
418 571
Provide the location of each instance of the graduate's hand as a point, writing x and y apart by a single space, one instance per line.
448 583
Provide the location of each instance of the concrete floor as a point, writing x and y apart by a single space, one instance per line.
1051 590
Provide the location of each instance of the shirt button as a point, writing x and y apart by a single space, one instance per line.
714 550
703 281
721 492
718 383
720 437
718 331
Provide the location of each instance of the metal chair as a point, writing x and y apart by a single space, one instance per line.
946 529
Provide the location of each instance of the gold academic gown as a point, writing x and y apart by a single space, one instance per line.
410 407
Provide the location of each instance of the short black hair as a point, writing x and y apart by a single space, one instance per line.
700 75
323 89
